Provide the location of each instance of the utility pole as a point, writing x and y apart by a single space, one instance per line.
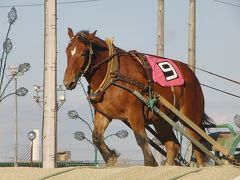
16 125
49 101
13 71
160 29
160 52
192 35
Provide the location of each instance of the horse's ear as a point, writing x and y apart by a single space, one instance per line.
70 33
92 35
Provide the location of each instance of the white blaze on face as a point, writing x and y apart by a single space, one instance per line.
73 51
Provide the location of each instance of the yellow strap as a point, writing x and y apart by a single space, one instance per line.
112 66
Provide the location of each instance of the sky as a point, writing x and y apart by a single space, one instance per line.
133 25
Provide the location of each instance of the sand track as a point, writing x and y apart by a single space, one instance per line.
123 173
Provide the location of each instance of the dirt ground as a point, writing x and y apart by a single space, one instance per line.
226 172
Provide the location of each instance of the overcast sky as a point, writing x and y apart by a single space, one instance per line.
133 24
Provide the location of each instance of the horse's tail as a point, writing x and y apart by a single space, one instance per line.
207 122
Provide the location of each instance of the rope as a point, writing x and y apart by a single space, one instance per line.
89 103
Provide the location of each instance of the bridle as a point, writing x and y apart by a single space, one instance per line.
87 65
89 62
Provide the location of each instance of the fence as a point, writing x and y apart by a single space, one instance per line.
60 164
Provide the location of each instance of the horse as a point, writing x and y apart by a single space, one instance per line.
103 64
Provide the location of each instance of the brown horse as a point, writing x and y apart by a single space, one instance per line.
102 64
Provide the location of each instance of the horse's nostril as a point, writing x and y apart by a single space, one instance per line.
70 85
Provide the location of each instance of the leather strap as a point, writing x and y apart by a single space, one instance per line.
112 66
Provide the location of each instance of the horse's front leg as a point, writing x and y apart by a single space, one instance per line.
100 124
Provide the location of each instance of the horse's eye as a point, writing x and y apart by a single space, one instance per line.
84 54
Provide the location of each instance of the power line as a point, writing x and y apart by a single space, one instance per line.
21 5
41 4
74 2
219 76
225 92
227 3
214 74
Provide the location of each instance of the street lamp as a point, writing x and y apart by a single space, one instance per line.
31 137
80 136
15 72
7 45
61 95
73 114
20 70
61 90
60 100
22 91
12 15
120 134
39 97
237 120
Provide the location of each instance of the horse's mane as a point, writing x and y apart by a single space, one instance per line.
81 36
100 44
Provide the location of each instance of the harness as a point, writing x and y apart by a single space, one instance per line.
113 75
112 66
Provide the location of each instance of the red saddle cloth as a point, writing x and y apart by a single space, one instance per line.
165 72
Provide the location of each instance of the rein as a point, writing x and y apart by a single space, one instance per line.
104 61
89 59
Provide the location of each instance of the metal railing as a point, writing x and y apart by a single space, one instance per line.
60 164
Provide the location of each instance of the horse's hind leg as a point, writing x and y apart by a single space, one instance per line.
199 155
138 126
196 117
100 124
168 139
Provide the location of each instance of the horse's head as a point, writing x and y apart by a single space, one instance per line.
79 56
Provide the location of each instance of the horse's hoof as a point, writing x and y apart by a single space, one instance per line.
168 164
112 161
153 163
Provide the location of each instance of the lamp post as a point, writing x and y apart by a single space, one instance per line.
38 98
61 95
121 134
80 136
22 91
237 120
73 114
14 72
20 70
7 45
31 137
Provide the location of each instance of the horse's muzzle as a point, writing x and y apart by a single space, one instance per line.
70 85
